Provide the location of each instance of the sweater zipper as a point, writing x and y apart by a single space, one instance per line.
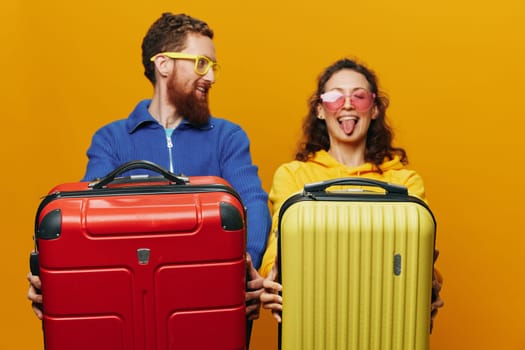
170 146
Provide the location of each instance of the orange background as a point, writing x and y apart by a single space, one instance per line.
454 72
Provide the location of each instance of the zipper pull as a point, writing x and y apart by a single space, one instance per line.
170 146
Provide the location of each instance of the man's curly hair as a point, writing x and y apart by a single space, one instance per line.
168 33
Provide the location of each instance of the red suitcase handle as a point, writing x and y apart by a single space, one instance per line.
139 164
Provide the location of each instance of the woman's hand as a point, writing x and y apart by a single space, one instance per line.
270 298
437 302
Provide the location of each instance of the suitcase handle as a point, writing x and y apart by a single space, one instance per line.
138 164
355 181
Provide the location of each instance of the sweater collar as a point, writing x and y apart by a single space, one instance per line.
140 117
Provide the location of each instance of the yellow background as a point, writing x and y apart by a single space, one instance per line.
454 71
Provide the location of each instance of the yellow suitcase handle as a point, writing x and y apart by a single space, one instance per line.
355 181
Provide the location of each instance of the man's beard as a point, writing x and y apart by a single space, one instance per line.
194 109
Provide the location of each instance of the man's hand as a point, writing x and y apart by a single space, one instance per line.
270 298
36 298
254 288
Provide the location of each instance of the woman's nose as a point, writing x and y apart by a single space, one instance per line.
348 102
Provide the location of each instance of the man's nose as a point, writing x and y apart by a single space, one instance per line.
210 76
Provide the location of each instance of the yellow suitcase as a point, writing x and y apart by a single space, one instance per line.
356 267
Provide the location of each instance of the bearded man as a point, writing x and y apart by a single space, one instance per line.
175 130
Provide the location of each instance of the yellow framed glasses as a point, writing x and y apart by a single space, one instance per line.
202 63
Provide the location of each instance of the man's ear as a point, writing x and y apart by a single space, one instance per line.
163 65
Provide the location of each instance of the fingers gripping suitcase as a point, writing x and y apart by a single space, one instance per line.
356 267
142 263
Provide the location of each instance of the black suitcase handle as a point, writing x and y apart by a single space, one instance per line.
138 164
355 181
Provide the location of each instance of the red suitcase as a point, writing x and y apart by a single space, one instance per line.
142 263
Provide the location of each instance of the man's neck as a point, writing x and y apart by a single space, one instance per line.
164 112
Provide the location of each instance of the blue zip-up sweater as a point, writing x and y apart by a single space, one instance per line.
220 148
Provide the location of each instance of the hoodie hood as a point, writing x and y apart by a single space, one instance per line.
325 160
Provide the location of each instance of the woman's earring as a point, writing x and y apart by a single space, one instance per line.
320 117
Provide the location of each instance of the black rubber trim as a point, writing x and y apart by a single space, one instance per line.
231 218
51 225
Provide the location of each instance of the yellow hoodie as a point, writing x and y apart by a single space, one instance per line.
291 177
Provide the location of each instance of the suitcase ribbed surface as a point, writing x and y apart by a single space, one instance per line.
356 275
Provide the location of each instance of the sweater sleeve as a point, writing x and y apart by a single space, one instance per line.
101 156
415 185
237 168
283 186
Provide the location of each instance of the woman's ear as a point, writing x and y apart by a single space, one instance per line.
375 112
320 114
